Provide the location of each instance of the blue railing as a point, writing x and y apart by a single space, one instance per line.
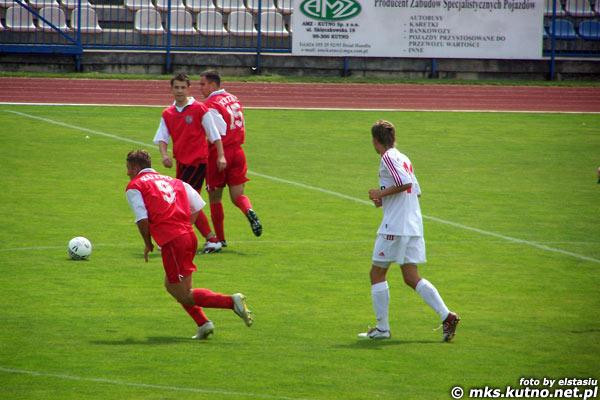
571 27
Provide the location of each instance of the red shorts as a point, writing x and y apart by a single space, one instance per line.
178 257
234 174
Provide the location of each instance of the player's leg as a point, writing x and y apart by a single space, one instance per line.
236 178
380 293
216 213
415 253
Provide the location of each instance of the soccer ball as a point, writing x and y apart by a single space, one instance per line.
79 248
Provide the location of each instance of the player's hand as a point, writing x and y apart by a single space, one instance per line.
378 203
148 249
221 163
167 161
375 194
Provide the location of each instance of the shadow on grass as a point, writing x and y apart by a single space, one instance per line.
151 340
378 344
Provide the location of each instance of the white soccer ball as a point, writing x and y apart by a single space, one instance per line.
79 248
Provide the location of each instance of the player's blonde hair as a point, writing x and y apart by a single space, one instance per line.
140 158
384 132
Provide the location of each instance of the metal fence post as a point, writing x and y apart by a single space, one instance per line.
553 43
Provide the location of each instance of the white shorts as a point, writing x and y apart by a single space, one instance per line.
399 249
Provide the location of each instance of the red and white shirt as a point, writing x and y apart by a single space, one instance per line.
166 202
229 118
401 211
189 127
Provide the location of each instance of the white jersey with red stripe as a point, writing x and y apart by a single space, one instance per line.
401 211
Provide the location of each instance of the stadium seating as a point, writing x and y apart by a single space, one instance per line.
18 19
200 5
1 26
271 24
597 7
148 21
266 5
227 6
241 23
138 4
560 12
182 22
163 5
284 6
579 8
56 16
210 23
71 4
89 20
589 30
42 3
564 29
7 3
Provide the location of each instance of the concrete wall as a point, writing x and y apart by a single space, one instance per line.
285 64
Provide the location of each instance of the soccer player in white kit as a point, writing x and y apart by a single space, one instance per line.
400 235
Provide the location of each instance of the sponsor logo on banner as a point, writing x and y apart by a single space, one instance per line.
330 10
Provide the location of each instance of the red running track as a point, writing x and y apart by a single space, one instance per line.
308 95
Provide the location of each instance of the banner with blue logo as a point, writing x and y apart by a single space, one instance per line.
501 29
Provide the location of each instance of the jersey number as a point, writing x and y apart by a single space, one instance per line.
237 118
167 191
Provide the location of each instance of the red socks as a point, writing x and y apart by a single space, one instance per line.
210 299
197 314
243 203
218 217
202 224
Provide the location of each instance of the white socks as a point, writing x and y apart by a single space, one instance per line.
431 296
380 292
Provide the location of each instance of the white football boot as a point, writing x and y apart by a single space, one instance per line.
204 331
212 247
374 333
241 309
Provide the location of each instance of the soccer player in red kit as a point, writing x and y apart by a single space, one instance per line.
165 209
229 118
188 124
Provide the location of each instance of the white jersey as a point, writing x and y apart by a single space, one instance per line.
401 211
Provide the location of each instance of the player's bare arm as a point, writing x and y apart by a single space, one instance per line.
144 228
221 161
378 194
164 152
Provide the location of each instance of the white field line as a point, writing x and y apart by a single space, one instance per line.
332 193
146 385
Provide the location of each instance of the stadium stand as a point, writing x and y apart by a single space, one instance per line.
42 3
148 21
163 5
19 19
71 4
564 29
579 8
548 8
271 24
266 5
89 20
210 23
200 5
285 6
56 16
227 6
182 22
589 30
241 23
7 3
597 7
135 5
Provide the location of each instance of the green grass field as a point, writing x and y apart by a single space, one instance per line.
106 328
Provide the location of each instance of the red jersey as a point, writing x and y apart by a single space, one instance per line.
231 110
190 146
167 205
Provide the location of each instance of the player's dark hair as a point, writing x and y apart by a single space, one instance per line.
141 158
181 77
212 76
384 132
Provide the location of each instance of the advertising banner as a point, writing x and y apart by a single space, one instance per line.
501 29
